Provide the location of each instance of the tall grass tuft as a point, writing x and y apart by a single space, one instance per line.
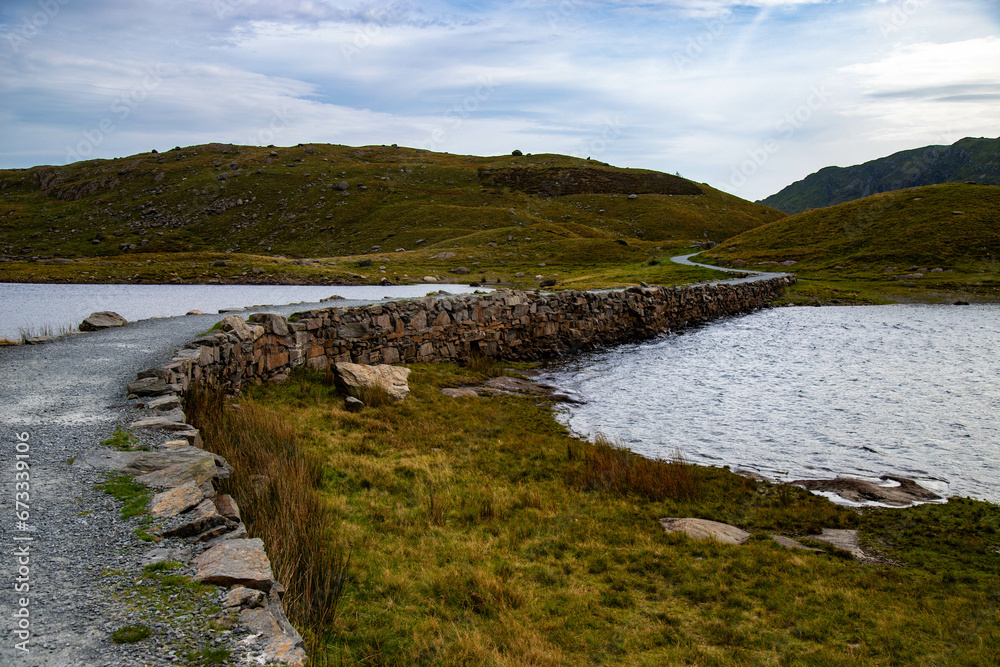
275 482
373 396
610 467
485 366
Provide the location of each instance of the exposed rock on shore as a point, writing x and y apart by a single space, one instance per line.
860 491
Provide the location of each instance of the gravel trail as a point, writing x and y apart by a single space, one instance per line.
64 397
79 559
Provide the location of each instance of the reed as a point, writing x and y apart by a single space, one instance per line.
611 468
275 482
485 366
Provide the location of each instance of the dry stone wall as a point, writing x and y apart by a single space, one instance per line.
517 326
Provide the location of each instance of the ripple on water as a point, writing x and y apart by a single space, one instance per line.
810 392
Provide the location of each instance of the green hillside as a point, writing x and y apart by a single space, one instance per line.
967 160
324 201
940 239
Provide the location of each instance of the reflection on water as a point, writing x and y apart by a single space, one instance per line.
810 393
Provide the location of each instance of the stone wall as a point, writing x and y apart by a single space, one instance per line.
518 326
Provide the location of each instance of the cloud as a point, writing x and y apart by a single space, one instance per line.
925 88
694 86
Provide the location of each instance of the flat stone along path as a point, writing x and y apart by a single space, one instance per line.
66 557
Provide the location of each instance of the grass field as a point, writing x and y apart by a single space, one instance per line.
479 532
934 243
174 215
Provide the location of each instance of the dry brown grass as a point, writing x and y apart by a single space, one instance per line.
480 364
611 468
275 482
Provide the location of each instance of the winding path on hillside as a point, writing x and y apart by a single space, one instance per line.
754 277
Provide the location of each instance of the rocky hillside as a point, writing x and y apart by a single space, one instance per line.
331 201
967 160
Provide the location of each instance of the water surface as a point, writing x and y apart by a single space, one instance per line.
32 307
797 393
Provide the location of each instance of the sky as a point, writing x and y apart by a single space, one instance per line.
745 95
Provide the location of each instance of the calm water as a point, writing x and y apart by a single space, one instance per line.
797 393
26 306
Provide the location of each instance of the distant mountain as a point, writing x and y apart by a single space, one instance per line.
969 159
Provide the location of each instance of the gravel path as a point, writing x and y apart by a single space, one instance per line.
753 277
79 559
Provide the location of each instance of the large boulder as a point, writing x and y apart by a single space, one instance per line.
102 320
355 377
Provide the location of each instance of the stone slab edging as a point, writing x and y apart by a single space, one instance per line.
201 528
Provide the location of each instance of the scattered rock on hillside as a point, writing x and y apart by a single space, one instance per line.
352 404
354 377
789 543
460 270
701 529
102 320
859 490
442 255
509 386
842 539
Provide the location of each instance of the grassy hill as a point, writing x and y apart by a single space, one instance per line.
939 240
970 159
174 215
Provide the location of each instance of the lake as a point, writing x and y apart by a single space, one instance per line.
795 393
32 307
